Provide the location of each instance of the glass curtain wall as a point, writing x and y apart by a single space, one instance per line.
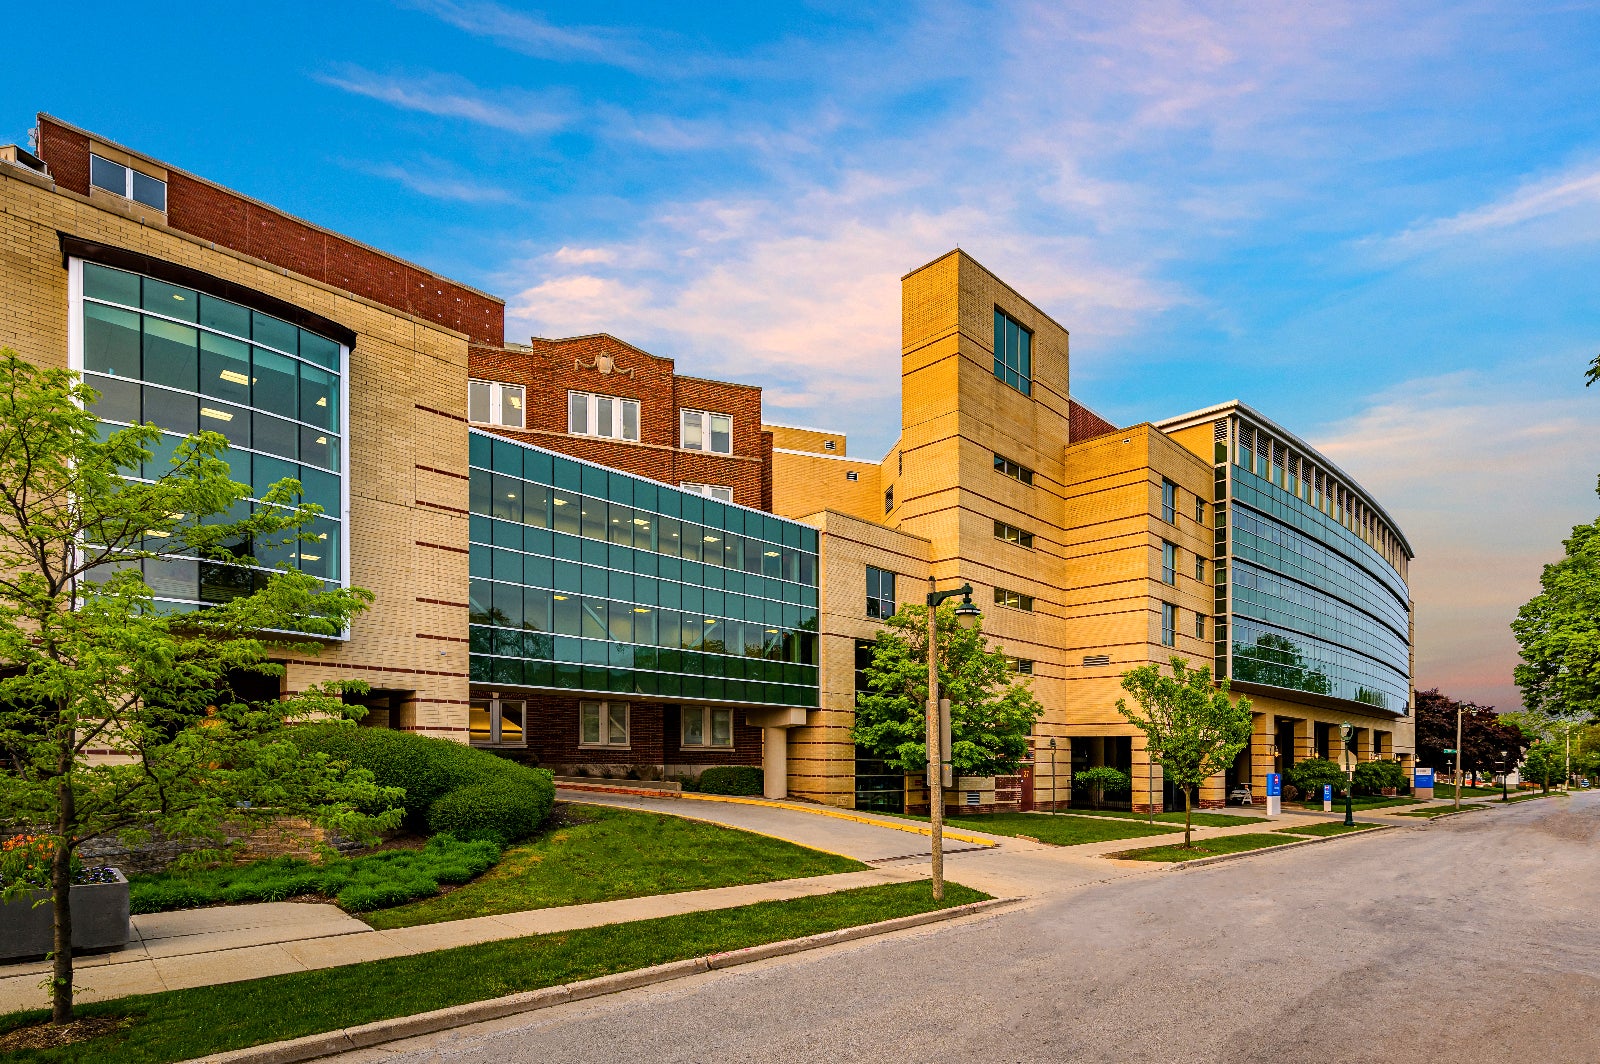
585 578
187 361
1312 606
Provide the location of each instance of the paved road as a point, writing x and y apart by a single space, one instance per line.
1473 937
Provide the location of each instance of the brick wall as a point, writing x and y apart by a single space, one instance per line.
241 224
1085 424
655 734
548 369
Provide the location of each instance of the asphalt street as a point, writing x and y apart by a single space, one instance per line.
1476 937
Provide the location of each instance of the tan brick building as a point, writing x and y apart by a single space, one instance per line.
1095 549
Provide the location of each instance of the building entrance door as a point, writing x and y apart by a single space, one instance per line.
1027 788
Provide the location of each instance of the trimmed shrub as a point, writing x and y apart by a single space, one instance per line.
731 779
478 794
375 881
1309 776
1371 777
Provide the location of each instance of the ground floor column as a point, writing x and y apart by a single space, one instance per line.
1363 745
1305 739
775 762
1147 779
1262 739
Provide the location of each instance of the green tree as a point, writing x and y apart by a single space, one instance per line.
992 712
1308 775
91 664
1102 780
1191 727
1543 762
1558 634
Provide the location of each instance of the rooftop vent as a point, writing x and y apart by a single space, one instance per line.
19 156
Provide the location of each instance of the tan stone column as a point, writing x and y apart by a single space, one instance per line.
1147 779
1264 734
1363 745
1305 737
1212 793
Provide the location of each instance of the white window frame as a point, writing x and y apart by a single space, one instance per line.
702 421
706 715
1169 625
606 708
591 426
496 717
497 393
126 192
720 492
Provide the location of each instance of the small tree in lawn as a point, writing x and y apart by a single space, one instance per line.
90 662
992 712
1191 728
1101 781
1542 762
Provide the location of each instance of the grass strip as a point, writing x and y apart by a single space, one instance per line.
1369 802
1448 790
1325 829
1432 811
601 853
1207 848
1531 797
180 1024
1063 830
1202 819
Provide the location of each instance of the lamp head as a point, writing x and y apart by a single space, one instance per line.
967 614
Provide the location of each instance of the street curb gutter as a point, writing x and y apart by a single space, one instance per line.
1178 866
379 1032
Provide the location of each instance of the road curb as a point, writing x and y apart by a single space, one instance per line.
311 1047
1178 866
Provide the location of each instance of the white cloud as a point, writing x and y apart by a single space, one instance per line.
1559 209
429 177
1485 477
539 37
525 113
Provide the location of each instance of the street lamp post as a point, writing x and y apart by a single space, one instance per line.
1345 731
1052 776
1461 761
1505 773
967 615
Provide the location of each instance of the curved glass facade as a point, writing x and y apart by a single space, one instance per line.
187 361
1313 607
584 578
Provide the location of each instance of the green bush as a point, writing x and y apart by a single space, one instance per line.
358 884
731 779
1371 777
450 787
1102 780
1309 776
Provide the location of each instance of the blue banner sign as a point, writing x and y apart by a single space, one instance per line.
1424 778
1274 785
1327 792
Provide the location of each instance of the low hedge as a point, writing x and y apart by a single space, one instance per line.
731 779
358 884
450 787
1371 777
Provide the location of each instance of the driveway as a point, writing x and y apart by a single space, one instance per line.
1470 936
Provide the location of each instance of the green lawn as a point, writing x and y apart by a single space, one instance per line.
1060 830
1202 818
1325 829
1364 802
1515 798
602 854
1432 811
1207 848
180 1024
1448 790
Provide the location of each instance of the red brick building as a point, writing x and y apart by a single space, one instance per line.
657 423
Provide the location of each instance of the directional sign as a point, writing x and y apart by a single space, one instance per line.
1274 785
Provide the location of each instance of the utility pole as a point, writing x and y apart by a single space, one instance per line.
1461 760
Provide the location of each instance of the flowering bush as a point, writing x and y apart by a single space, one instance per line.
25 859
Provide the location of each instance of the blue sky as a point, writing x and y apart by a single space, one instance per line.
1377 223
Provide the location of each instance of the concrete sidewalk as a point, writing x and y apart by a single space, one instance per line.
228 944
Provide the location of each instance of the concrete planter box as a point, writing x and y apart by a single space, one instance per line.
99 921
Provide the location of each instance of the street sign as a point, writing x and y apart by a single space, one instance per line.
1424 778
1449 750
1327 797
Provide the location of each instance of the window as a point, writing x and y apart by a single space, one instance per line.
1199 626
1013 534
603 724
1199 568
1169 502
493 403
1013 470
1169 625
1169 563
704 726
1199 510
880 593
699 430
602 415
710 491
492 722
1013 352
852 475
127 182
888 499
1015 600
1023 666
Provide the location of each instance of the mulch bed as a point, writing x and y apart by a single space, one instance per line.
51 1036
